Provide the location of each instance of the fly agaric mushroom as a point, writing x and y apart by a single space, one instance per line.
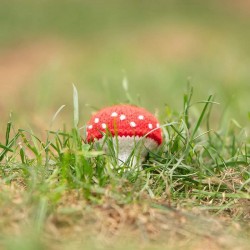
131 126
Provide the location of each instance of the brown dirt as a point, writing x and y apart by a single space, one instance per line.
20 64
114 226
20 67
171 43
239 6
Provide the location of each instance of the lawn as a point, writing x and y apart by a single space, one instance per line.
187 63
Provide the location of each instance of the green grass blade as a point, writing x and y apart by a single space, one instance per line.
56 114
7 135
8 147
198 124
76 106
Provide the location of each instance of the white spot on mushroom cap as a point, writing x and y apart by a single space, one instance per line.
140 117
150 126
122 117
114 114
104 125
96 120
132 124
157 125
90 126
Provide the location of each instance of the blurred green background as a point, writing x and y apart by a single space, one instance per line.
159 46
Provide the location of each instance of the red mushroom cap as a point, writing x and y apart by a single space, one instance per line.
124 120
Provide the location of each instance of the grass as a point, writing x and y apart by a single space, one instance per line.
60 192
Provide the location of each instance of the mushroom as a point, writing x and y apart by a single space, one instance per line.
134 131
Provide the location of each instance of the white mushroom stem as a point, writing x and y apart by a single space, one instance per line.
130 150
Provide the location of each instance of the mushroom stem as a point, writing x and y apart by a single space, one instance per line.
130 151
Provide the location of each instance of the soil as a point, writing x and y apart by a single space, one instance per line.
20 64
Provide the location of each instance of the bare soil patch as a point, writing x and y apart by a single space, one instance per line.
239 6
20 64
115 226
171 43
